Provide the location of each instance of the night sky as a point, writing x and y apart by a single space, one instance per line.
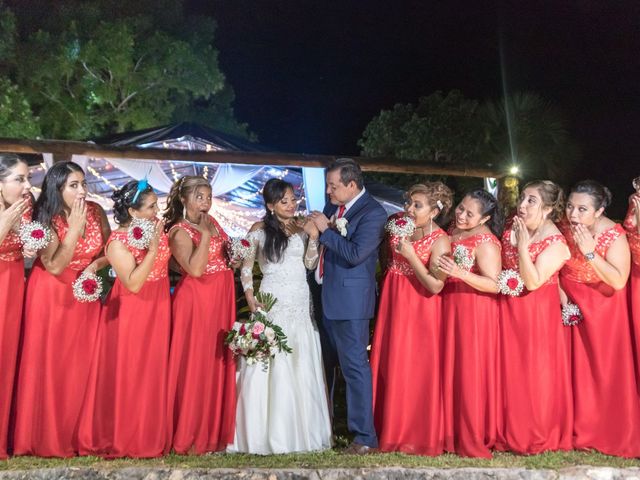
309 75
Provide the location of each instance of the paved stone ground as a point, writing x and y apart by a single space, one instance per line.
77 473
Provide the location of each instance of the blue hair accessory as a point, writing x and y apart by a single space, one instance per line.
143 184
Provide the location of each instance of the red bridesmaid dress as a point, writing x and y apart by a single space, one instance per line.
59 340
607 412
535 363
406 356
470 326
634 287
11 301
125 414
201 368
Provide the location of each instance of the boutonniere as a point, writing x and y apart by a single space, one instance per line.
341 225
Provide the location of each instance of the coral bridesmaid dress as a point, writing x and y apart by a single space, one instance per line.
11 301
59 341
634 287
406 357
535 363
470 326
607 411
125 414
202 392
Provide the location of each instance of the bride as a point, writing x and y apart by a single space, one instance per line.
284 408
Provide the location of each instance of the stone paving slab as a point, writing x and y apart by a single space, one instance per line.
397 473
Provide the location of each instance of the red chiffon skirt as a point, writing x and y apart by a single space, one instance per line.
125 414
201 368
11 296
405 363
535 374
634 311
470 325
607 412
58 344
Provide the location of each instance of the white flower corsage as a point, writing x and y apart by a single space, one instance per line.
401 226
87 287
34 236
571 315
510 283
341 225
140 233
463 257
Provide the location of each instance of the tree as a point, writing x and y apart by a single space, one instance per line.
527 131
84 76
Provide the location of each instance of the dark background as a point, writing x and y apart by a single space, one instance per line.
309 75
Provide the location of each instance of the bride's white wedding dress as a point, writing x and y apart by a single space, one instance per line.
283 409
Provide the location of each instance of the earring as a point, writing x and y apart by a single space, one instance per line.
430 225
184 212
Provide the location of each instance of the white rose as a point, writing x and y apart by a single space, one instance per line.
269 334
341 225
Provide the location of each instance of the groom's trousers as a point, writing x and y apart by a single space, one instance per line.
347 342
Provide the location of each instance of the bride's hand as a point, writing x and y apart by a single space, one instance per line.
253 304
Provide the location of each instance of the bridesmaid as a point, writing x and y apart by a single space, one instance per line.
60 334
126 410
607 412
201 368
535 363
470 325
15 205
632 226
405 358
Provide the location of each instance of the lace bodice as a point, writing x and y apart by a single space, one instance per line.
217 261
88 246
398 265
510 257
160 268
286 279
464 250
632 235
577 267
11 246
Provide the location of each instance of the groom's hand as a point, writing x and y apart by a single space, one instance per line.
320 219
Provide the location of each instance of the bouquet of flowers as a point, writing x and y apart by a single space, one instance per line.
571 315
510 283
463 257
239 249
87 287
401 226
34 236
140 233
258 339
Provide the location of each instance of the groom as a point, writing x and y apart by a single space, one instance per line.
346 270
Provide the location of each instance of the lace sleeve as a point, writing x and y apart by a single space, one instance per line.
311 255
246 272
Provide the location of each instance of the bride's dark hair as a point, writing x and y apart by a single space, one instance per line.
275 239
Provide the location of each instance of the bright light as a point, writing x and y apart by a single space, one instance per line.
514 170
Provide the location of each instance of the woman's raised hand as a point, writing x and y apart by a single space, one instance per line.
78 216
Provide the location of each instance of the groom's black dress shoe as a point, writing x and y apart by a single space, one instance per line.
359 449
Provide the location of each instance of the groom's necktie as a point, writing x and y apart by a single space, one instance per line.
341 210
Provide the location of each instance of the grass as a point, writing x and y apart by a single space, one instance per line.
330 459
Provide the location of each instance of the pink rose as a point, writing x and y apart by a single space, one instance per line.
258 328
512 283
37 234
401 222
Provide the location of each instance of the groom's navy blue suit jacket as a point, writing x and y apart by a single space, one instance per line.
348 285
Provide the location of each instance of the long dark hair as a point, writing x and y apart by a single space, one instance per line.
50 203
126 198
275 240
183 188
488 207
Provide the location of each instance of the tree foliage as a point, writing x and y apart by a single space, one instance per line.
452 129
94 68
